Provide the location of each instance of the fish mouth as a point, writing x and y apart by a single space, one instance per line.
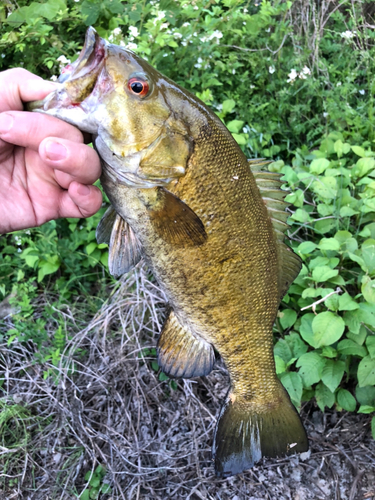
78 79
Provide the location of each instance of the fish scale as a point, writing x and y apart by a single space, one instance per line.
185 198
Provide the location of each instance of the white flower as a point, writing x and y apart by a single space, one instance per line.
131 46
133 30
3 55
348 34
76 0
195 7
252 86
177 35
245 10
117 31
165 55
271 69
304 73
292 76
216 34
163 26
325 115
53 78
362 91
199 63
184 44
122 43
338 84
160 16
63 60
185 25
268 30
233 71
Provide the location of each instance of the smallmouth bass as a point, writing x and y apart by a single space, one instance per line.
209 224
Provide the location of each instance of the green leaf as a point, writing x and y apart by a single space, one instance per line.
325 187
324 397
370 344
365 395
363 166
280 365
287 318
283 351
306 247
90 11
235 126
311 365
85 495
366 409
350 348
327 328
293 384
332 373
91 247
323 273
329 244
366 372
296 344
346 303
368 289
346 400
163 377
228 106
373 427
329 352
359 151
368 254
306 329
318 165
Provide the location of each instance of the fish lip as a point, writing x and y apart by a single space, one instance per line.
90 58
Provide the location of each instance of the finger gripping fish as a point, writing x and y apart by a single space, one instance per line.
210 225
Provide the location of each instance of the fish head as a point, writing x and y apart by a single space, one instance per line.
121 100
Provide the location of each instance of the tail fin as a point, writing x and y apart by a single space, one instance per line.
246 432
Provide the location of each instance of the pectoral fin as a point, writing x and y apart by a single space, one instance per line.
173 220
125 250
182 354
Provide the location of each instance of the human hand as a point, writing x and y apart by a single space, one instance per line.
46 170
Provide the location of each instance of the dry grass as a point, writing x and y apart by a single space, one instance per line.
105 404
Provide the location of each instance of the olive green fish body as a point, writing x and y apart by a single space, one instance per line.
186 200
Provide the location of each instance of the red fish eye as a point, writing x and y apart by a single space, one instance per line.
138 87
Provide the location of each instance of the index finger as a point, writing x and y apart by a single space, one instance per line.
19 85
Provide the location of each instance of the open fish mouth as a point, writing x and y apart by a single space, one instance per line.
78 79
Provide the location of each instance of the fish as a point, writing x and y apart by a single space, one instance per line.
210 225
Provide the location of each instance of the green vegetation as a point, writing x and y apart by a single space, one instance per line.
294 84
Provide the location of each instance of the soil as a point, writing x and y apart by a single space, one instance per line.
108 404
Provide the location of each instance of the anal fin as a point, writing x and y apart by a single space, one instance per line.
181 354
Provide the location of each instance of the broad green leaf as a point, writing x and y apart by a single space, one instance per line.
311 365
347 212
368 254
240 139
319 165
329 352
287 318
346 400
356 258
365 395
293 384
359 151
325 187
329 244
235 126
228 106
327 328
280 365
301 215
332 373
325 225
306 247
368 289
350 348
346 303
324 397
366 409
332 302
366 372
370 344
306 329
91 247
363 166
296 344
323 273
283 350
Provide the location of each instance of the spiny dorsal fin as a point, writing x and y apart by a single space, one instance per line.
124 247
269 186
181 354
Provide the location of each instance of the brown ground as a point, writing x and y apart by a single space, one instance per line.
154 440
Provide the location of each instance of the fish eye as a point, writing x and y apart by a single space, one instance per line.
139 86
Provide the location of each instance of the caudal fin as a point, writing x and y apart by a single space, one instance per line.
246 432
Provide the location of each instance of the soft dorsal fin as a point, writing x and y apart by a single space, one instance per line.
125 250
269 186
181 354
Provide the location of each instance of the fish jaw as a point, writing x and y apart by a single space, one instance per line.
83 84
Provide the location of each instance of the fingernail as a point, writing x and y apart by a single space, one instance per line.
6 122
83 190
56 151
